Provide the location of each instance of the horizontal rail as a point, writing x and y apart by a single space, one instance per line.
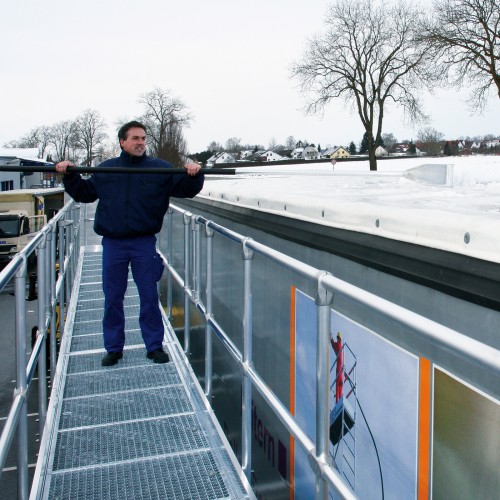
482 355
116 170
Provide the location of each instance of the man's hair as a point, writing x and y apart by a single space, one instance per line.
122 133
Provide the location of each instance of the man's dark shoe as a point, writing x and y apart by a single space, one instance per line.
111 358
158 356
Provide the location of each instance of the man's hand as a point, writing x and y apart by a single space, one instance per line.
192 168
62 166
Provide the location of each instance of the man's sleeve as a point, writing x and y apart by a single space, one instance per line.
81 190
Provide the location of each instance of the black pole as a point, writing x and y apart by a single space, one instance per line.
115 170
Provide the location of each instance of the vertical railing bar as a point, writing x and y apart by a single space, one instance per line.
187 262
170 259
62 288
246 425
208 314
53 311
324 300
196 259
42 316
21 382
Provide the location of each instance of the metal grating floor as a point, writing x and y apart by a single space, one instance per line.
136 430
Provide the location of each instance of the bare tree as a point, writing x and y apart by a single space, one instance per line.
368 57
290 142
215 146
389 140
465 35
89 133
165 116
61 138
233 145
430 140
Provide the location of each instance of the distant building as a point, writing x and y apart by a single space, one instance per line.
338 152
310 153
270 156
221 157
381 151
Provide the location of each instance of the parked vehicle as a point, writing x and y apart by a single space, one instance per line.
23 213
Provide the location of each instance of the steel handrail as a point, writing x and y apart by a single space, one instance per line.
484 356
17 269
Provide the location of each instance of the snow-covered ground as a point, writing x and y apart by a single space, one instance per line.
453 205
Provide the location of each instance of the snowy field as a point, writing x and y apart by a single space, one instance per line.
450 203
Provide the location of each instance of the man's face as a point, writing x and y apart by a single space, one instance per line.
135 143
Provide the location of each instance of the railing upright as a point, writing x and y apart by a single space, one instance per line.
42 321
187 291
170 246
21 381
324 300
247 363
208 313
51 237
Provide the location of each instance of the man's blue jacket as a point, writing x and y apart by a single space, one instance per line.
131 205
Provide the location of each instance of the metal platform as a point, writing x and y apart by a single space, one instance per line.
136 430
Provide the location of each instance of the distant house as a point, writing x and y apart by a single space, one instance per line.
381 151
246 155
270 156
310 153
340 152
297 153
402 149
221 157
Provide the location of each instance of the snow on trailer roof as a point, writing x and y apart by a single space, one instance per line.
450 203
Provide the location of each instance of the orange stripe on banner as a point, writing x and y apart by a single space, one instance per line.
292 389
424 431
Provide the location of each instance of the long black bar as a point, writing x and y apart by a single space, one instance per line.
115 170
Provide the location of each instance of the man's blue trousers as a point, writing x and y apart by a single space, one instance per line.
147 268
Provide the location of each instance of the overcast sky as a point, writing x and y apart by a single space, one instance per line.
228 60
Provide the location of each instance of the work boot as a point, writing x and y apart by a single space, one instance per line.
158 356
111 358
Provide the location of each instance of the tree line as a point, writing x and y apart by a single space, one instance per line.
84 140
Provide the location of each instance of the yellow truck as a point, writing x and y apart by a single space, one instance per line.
23 212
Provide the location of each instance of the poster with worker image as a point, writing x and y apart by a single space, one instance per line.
374 388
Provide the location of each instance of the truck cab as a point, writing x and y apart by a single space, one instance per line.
17 229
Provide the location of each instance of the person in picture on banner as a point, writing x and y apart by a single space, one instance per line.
339 366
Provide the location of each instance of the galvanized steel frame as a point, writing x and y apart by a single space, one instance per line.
327 285
51 293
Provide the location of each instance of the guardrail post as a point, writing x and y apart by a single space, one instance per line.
42 321
51 238
76 237
187 265
324 300
62 258
21 381
196 228
85 220
246 424
209 233
170 260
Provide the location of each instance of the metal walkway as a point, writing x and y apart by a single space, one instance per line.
137 430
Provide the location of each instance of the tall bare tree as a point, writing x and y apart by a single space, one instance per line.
61 138
165 117
89 133
369 57
465 35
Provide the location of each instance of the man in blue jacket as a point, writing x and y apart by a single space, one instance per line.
129 214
